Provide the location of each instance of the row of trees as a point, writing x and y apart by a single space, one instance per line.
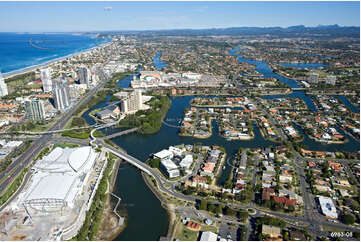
9 158
13 187
91 224
220 209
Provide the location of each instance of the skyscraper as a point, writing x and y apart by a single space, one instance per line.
83 74
34 109
61 94
3 86
331 80
45 75
313 77
132 102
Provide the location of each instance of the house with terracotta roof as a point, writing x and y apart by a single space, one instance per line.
193 226
285 201
335 165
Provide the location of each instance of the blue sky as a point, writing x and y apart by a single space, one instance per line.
91 16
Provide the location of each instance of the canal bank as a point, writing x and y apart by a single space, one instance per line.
143 207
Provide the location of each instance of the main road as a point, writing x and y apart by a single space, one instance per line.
25 159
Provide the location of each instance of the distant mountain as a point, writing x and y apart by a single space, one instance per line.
321 31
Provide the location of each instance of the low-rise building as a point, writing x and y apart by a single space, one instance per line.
169 168
272 231
327 207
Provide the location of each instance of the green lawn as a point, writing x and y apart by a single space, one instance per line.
184 234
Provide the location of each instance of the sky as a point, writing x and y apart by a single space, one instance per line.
105 16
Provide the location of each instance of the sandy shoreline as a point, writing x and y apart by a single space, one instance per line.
10 74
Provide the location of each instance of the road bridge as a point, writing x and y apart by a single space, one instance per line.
128 131
130 159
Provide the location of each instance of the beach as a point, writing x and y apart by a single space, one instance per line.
49 62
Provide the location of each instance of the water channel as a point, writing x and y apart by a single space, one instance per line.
147 220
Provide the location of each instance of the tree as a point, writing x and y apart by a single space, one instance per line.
228 184
212 208
230 212
154 163
219 209
347 219
203 205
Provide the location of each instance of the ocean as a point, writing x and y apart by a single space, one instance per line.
23 50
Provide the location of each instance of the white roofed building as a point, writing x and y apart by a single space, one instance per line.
208 236
58 178
163 155
328 207
169 168
186 162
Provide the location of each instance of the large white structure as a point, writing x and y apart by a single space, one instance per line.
3 86
45 75
208 236
327 207
191 75
58 179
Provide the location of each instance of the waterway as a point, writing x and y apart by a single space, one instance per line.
303 65
147 220
348 103
158 63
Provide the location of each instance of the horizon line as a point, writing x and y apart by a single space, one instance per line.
173 29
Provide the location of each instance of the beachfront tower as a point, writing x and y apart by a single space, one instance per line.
45 75
3 86
61 94
83 74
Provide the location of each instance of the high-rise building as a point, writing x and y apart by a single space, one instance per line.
314 77
3 86
34 109
331 80
61 94
132 102
83 74
45 75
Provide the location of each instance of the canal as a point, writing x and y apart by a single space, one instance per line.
147 220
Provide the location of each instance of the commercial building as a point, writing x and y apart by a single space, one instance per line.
61 94
58 179
186 162
313 77
327 207
3 86
77 90
190 75
272 231
45 75
331 80
163 155
110 111
208 236
131 102
169 168
34 109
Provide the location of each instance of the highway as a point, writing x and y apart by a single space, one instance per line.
26 158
